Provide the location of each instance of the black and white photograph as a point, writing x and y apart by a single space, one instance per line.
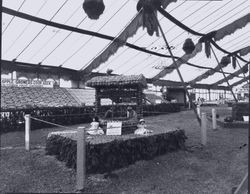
125 96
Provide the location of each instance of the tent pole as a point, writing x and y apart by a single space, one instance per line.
178 71
231 89
241 68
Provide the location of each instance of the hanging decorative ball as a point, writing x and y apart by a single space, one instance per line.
245 69
93 8
225 61
109 71
188 46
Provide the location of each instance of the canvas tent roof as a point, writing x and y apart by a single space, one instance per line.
38 43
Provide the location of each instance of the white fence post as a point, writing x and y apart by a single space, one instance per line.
199 110
204 129
214 118
81 157
27 131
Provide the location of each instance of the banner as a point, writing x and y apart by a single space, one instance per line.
26 83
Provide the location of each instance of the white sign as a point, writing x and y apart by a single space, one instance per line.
114 128
26 83
158 101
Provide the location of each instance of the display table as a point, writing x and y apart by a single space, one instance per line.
107 153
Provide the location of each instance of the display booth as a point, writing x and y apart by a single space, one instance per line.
125 93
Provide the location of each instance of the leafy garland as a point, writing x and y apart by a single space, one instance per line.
232 27
244 51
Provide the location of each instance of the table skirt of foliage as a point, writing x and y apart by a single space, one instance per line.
115 153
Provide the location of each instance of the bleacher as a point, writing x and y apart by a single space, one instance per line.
23 97
83 96
153 98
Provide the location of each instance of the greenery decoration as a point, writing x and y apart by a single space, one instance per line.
149 13
225 61
117 153
188 46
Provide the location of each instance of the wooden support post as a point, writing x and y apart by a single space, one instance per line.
203 129
209 95
241 68
199 110
27 131
81 158
214 121
97 102
178 71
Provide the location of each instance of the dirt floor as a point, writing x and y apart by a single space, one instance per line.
216 168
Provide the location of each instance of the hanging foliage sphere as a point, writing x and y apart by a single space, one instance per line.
93 8
245 69
188 46
109 71
225 61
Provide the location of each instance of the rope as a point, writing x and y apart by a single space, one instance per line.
57 125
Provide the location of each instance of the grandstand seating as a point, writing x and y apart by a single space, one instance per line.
83 96
153 98
23 97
